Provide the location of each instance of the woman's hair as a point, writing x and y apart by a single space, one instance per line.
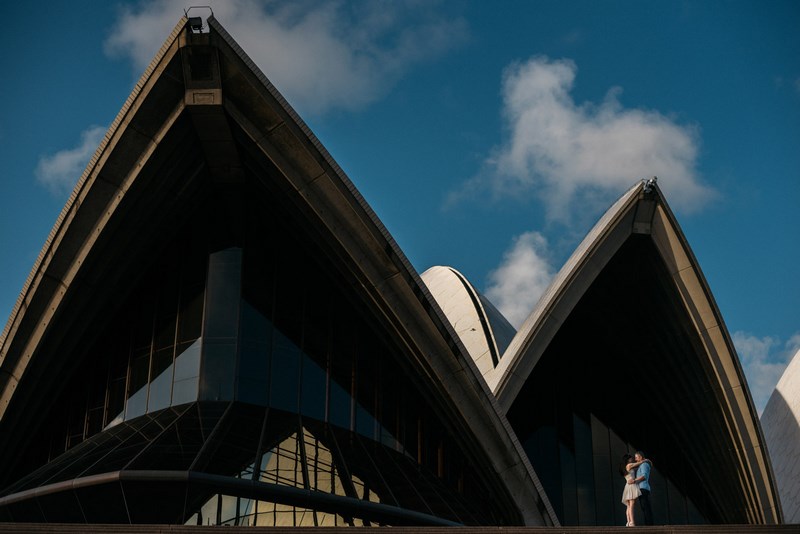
626 459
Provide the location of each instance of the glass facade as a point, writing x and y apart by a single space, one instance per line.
250 358
146 359
576 454
243 465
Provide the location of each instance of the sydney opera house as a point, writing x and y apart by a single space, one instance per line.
220 331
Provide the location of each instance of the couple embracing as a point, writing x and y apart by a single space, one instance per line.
636 470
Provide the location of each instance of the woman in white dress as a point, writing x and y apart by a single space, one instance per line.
631 492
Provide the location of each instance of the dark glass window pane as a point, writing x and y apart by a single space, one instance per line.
175 448
316 340
603 474
27 511
219 366
366 425
96 402
137 435
390 405
94 421
164 336
61 507
116 401
161 503
224 289
284 374
118 375
388 484
184 391
142 333
584 470
253 384
103 504
254 356
340 405
187 362
412 427
569 494
366 376
137 388
75 430
161 385
289 297
259 280
316 319
140 367
222 325
187 373
75 462
313 389
239 433
190 319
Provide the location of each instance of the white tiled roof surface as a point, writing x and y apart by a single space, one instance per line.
781 424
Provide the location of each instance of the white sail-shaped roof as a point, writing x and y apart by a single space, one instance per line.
481 327
183 123
781 423
642 216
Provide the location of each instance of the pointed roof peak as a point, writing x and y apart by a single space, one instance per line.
640 233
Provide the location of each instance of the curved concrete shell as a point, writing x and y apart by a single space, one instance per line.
781 423
178 256
627 349
481 327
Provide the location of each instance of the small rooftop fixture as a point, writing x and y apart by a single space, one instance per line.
196 23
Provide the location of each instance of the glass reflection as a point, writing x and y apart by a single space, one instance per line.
161 389
228 510
187 374
299 460
281 465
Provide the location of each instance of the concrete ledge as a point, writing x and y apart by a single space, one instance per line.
44 528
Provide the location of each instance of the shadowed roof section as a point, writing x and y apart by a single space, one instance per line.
202 108
676 334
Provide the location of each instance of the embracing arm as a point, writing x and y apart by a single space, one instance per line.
634 465
643 477
630 466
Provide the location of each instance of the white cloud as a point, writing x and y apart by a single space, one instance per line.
320 55
563 151
522 277
764 360
59 172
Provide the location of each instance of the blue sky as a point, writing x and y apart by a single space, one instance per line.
487 136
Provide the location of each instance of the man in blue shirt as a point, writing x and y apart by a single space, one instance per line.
643 479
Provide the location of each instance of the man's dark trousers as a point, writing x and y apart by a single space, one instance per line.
644 502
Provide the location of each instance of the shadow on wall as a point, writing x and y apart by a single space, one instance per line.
781 425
